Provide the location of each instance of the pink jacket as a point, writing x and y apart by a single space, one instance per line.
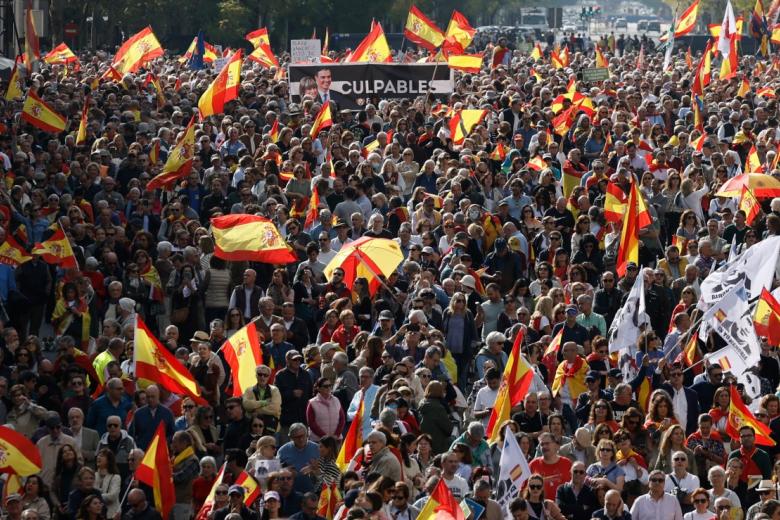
325 416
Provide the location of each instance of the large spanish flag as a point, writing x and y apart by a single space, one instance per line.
60 54
179 161
421 30
471 63
322 121
441 505
32 47
55 247
750 205
330 498
40 115
208 504
459 32
223 89
353 440
154 364
373 48
140 48
11 253
20 455
462 124
264 55
740 416
628 250
241 237
156 472
81 135
242 353
257 36
766 318
687 21
515 382
251 486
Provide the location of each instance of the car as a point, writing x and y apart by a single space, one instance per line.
654 27
621 23
569 28
641 26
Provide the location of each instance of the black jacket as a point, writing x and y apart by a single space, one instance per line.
576 506
293 408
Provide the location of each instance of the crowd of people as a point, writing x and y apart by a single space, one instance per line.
492 248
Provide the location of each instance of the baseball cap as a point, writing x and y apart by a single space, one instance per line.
271 495
386 315
592 375
235 488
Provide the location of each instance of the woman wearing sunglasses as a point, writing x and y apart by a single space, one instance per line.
701 502
540 508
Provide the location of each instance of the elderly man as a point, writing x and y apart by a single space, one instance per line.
264 400
147 417
576 500
139 508
555 469
246 296
681 483
613 507
85 438
656 504
300 453
49 445
570 375
383 461
474 438
366 393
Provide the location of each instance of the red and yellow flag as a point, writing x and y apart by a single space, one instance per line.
322 121
61 54
563 122
264 55
353 440
730 65
41 115
156 471
441 505
536 163
555 345
744 88
257 36
81 135
15 87
179 163
330 498
463 123
223 89
690 355
140 48
459 33
155 364
250 485
471 63
687 21
628 250
241 237
698 143
242 353
536 53
11 253
601 61
209 52
32 47
689 58
154 152
55 247
753 162
615 206
208 504
274 132
515 382
111 74
20 455
313 211
498 153
740 416
419 29
766 318
703 71
749 204
373 48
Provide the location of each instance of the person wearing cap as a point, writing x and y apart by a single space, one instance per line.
588 398
767 490
504 266
50 444
272 502
236 505
13 507
572 331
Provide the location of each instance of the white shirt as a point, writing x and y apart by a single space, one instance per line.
485 399
459 487
326 256
336 243
667 508
689 483
680 404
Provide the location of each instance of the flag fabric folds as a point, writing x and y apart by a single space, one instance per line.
257 36
11 253
32 46
419 29
208 504
140 48
242 353
353 440
41 115
459 33
246 481
179 161
264 55
15 87
223 89
81 135
730 64
20 455
156 472
209 52
728 27
373 48
629 233
471 63
515 382
155 364
463 123
441 505
687 20
330 498
740 415
60 54
766 318
55 248
513 470
240 237
322 121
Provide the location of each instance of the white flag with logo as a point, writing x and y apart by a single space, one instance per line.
513 470
754 269
625 327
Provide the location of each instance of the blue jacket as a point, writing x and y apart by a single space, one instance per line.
103 408
144 425
7 281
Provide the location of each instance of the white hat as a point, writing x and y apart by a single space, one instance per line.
469 281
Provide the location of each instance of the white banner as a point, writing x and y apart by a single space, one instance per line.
513 470
625 327
754 269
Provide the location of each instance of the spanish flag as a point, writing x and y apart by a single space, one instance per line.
40 115
81 135
250 485
459 32
154 152
753 161
20 455
11 253
471 63
687 20
179 161
223 89
730 65
766 92
313 212
749 204
629 234
555 345
419 29
209 54
703 71
60 54
744 88
498 153
740 416
242 353
208 504
573 376
463 123
264 55
330 498
615 205
536 163
689 58
140 48
555 60
32 47
601 61
155 364
55 248
565 57
241 237
274 132
698 143
322 121
690 355
156 471
767 317
537 53
515 382
353 440
563 122
15 86
441 505
373 48
258 36
111 74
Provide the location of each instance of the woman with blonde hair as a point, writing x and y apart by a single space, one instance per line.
673 440
542 317
606 473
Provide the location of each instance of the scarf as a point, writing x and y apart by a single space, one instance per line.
186 453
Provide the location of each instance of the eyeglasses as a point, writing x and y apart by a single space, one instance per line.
578 471
220 492
657 480
700 501
724 508
263 375
680 459
535 487
606 450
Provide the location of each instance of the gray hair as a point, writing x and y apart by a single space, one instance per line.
341 357
208 460
476 429
388 417
495 337
715 470
298 427
377 436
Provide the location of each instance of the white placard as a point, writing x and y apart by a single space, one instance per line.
305 51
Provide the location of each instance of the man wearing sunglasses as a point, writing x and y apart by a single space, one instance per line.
656 503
